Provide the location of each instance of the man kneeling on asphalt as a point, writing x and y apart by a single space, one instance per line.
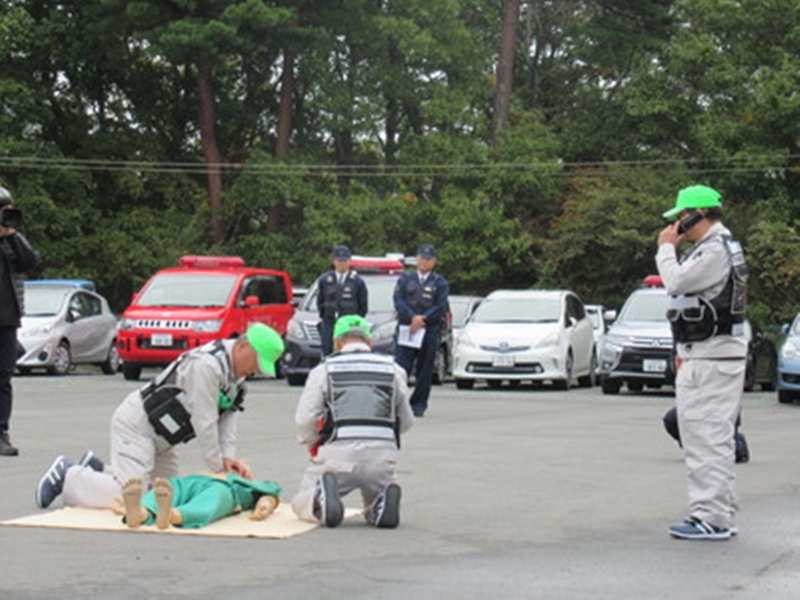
351 413
197 396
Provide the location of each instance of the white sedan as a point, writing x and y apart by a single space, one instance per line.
534 335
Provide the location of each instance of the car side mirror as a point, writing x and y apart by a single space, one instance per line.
73 315
296 301
251 301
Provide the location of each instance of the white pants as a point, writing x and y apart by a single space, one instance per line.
368 465
136 451
708 397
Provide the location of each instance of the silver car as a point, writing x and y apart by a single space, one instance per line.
65 324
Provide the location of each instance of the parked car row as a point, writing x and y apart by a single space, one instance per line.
509 336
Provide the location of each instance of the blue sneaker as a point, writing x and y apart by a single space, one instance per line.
697 529
52 482
91 460
328 507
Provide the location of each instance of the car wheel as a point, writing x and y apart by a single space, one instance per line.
785 397
464 384
294 379
62 360
131 372
563 384
590 380
111 365
610 386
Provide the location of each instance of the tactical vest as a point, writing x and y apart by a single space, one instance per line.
420 296
162 397
695 319
338 299
360 396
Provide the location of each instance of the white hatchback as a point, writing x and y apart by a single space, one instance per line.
533 335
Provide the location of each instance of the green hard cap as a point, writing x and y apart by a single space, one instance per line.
353 325
267 343
695 196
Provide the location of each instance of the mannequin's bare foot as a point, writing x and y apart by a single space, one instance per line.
163 491
265 506
135 513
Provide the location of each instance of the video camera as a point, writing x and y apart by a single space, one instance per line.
11 218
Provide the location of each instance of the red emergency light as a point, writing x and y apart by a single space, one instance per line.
210 262
653 281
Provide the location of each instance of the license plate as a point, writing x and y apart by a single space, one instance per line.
161 339
503 360
654 365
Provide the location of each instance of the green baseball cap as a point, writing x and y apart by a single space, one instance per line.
353 325
695 196
267 343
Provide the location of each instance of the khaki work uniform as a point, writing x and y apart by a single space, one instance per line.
136 449
365 464
708 385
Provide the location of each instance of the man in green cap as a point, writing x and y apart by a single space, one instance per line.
708 289
197 396
351 413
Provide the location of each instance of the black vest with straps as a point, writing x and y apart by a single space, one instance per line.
338 299
695 319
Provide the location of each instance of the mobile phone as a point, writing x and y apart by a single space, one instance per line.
690 221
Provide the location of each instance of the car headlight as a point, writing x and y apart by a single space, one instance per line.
211 326
613 342
384 331
295 330
789 350
127 324
551 339
43 331
465 341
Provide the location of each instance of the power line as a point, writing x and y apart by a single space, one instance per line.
550 168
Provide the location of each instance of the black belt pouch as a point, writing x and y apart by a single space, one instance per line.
168 416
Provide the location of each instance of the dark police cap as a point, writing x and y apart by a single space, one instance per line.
342 253
426 251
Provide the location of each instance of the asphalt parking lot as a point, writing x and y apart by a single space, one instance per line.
524 493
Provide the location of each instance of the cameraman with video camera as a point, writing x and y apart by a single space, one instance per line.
16 256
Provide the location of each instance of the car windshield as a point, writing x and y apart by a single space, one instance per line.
459 308
380 289
645 307
42 301
522 310
191 290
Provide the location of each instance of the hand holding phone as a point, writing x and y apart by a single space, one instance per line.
690 221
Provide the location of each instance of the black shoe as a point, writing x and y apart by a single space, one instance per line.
328 507
6 449
742 449
387 507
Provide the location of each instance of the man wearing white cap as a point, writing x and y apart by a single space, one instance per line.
197 396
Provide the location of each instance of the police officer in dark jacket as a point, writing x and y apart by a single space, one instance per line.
16 256
341 292
420 299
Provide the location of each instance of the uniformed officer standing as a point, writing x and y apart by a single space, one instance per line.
341 292
708 289
420 299
351 413
197 396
